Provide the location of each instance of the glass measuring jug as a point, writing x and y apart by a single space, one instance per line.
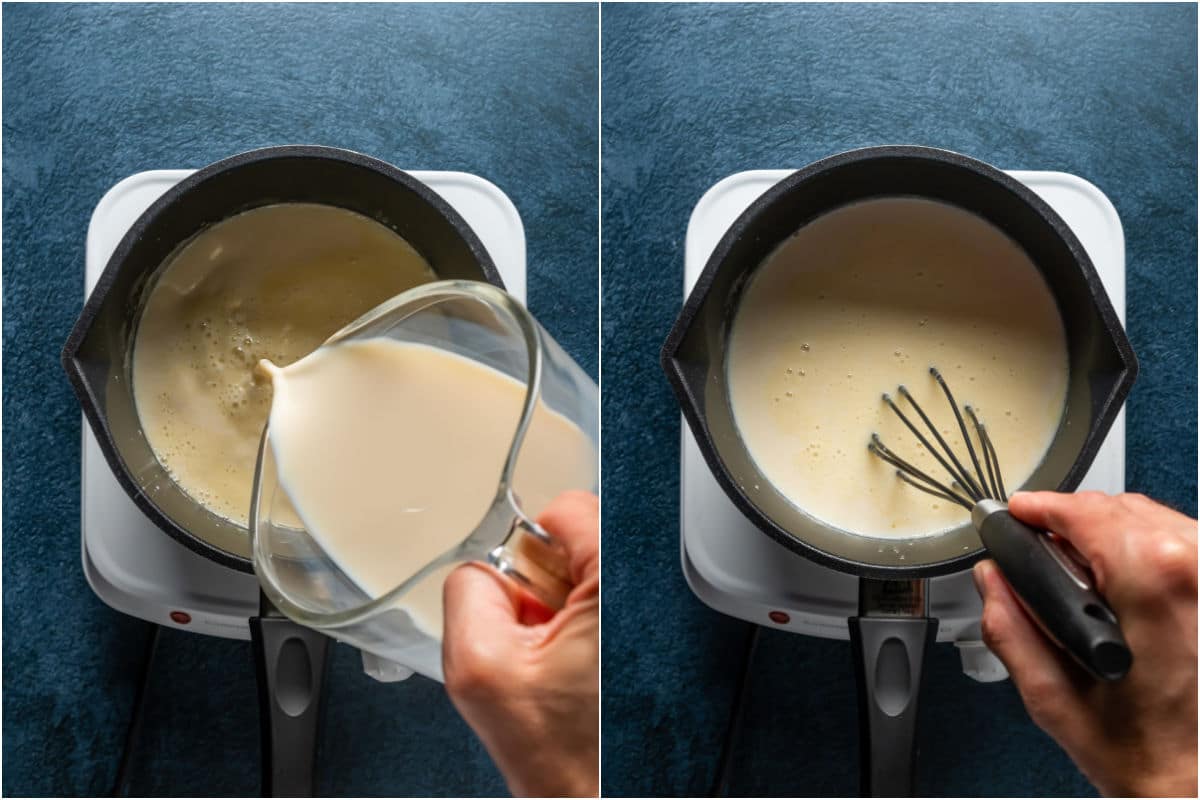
482 324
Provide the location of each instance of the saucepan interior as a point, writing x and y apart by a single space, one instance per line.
97 355
1102 365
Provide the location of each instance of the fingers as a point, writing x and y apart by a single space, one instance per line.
482 606
1133 545
1038 669
574 519
482 625
1090 521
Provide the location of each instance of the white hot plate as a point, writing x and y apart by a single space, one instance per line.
739 571
132 565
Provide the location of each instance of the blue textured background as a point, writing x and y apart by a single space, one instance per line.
692 94
95 93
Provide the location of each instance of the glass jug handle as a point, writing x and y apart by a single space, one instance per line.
535 560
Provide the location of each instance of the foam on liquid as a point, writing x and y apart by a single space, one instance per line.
864 299
391 453
273 283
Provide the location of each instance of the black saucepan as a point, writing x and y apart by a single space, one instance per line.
97 359
893 629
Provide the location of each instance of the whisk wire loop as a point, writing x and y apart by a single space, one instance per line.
958 472
962 426
911 474
986 482
952 497
995 481
1001 494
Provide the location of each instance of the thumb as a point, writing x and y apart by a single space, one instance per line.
481 613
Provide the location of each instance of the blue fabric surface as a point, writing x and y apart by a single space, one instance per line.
95 93
693 93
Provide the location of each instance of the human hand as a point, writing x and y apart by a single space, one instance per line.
531 692
1136 736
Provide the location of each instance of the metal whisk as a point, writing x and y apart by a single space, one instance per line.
975 487
1052 586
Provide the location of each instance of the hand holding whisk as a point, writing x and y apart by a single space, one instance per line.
1055 590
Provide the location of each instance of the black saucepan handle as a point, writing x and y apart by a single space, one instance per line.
1055 590
889 656
290 662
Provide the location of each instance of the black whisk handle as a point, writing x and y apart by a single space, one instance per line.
1056 591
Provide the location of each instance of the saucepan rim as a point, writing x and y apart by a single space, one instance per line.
145 225
745 225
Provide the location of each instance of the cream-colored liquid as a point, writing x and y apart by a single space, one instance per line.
391 453
864 299
274 283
